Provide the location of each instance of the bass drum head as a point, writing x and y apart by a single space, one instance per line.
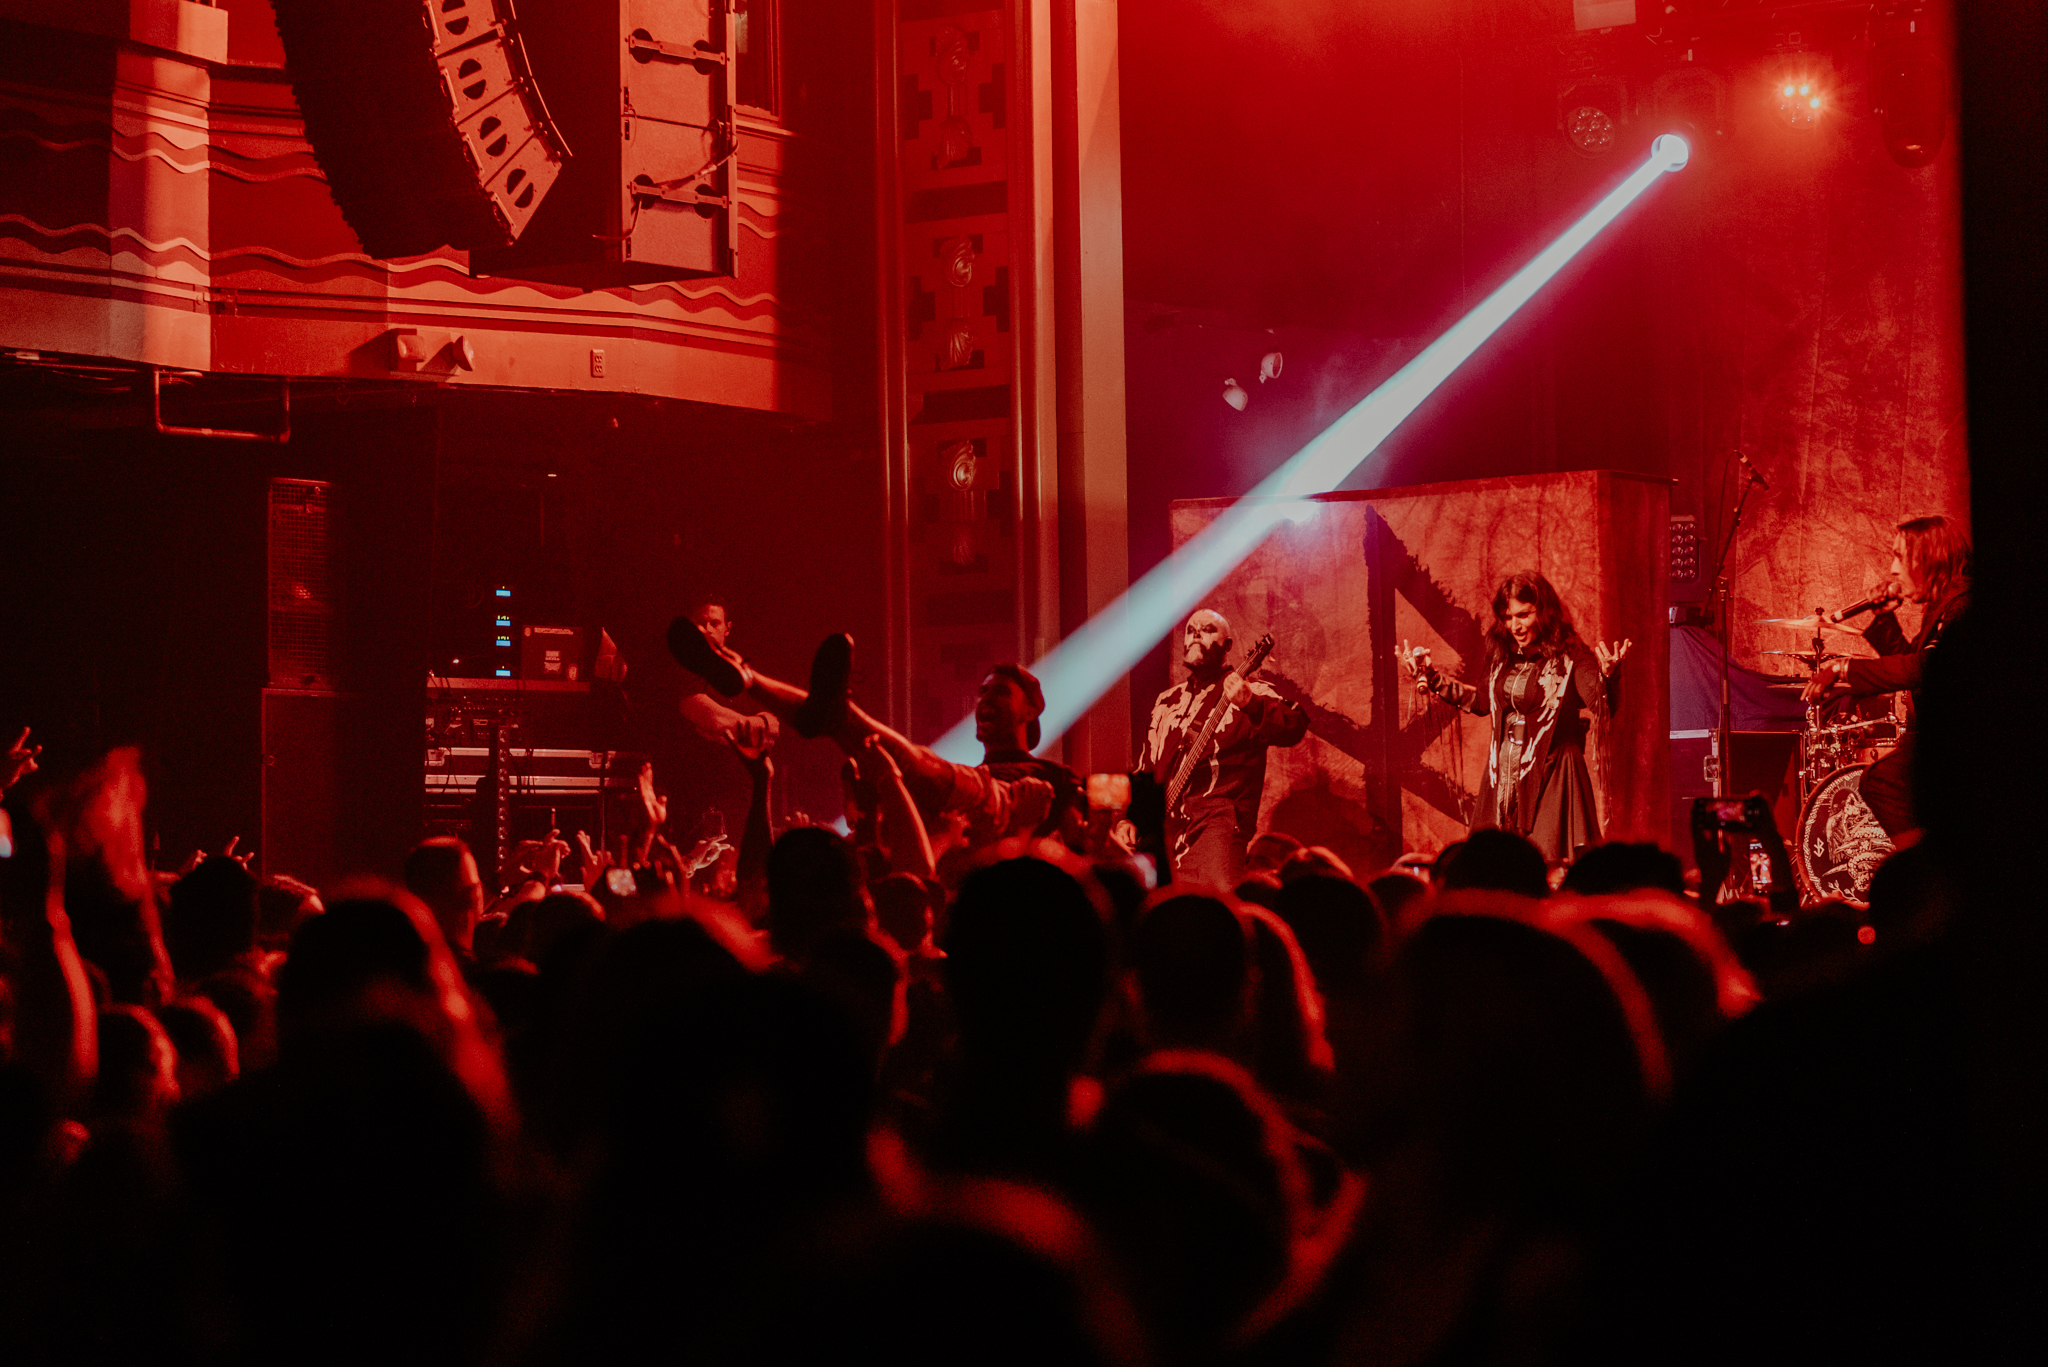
1840 841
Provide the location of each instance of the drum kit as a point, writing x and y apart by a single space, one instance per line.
1840 843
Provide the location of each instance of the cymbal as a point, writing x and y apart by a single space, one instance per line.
1805 657
1810 623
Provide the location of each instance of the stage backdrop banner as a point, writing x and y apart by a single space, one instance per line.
1385 769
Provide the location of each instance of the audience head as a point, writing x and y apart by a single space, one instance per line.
903 910
362 945
1191 957
249 1001
1008 706
282 903
1260 889
708 1087
814 889
1441 865
1520 1057
534 930
1314 861
1395 893
209 1056
1192 1177
1679 981
1291 1054
1494 860
1027 965
138 1075
984 1271
1268 851
376 958
442 873
1338 927
210 917
1623 866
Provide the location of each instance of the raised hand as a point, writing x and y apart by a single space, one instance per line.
702 855
755 757
591 862
753 736
1030 804
1235 690
543 858
19 761
1611 656
878 754
652 804
1415 660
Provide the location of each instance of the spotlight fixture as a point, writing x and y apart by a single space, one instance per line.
1800 99
1589 129
1234 394
1591 109
1269 366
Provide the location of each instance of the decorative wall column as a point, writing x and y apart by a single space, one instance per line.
1001 336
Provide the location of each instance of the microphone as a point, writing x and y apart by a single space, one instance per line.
1754 473
1880 599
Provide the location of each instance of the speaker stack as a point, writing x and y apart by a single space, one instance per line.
426 119
643 91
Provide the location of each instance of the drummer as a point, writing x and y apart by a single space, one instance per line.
1930 566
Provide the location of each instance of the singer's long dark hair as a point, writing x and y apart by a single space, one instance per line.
1938 552
1555 633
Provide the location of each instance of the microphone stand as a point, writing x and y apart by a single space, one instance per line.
1721 590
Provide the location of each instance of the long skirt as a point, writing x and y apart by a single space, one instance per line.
1564 820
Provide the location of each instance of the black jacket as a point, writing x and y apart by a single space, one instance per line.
1899 660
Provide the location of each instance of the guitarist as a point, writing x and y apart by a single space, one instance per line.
1218 811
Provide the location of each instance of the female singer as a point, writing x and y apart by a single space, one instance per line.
1539 675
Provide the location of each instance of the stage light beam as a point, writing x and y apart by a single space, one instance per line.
1077 671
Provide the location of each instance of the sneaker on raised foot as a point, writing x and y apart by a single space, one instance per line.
694 652
821 713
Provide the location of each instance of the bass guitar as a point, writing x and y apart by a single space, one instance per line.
1198 748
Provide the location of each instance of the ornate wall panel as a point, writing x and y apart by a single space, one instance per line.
162 206
960 221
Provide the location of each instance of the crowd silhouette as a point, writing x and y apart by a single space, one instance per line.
995 1102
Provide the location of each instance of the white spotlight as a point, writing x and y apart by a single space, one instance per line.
1234 395
1101 650
1269 366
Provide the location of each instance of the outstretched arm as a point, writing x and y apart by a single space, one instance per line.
903 832
56 1030
1415 661
752 873
1600 688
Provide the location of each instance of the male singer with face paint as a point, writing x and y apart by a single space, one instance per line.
1208 829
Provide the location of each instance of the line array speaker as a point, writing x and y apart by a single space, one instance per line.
425 119
643 90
